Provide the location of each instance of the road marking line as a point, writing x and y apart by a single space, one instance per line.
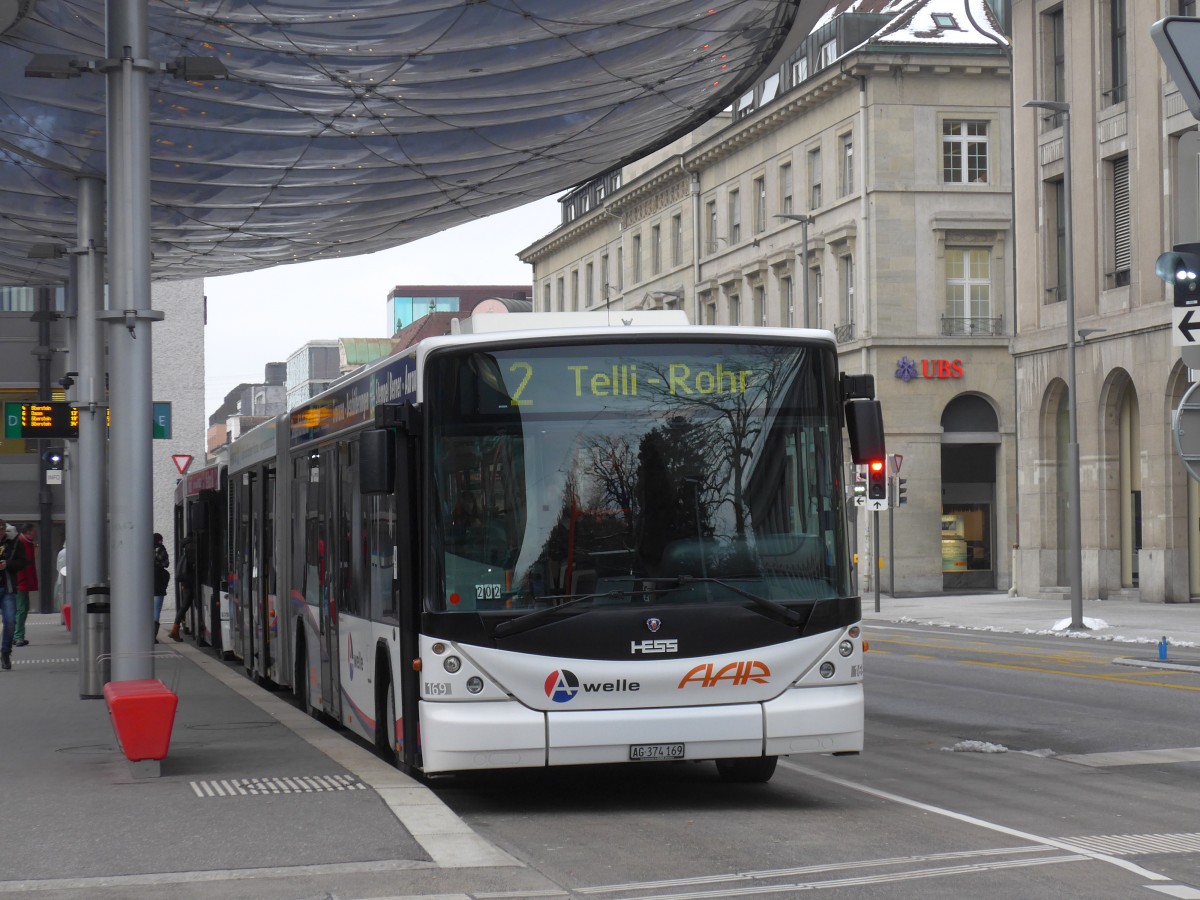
1132 844
1134 757
971 820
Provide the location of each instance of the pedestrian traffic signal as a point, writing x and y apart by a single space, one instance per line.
877 479
860 485
1180 268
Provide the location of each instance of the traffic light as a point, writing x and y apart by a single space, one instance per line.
901 491
877 479
860 485
1180 268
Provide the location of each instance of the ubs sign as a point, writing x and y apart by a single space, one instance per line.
908 369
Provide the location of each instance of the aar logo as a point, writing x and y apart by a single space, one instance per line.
562 686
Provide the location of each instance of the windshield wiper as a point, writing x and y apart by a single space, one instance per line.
540 616
789 616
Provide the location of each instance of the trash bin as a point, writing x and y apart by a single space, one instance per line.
95 664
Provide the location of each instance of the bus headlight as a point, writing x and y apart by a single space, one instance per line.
451 664
845 648
826 670
474 684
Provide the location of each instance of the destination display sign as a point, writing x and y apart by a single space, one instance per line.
58 419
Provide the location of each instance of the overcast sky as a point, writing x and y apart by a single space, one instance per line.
265 316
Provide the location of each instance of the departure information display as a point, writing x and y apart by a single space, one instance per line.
58 419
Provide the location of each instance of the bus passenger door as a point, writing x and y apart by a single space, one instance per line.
327 568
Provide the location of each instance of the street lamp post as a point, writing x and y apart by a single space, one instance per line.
1074 526
804 222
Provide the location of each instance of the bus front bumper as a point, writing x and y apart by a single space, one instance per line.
506 734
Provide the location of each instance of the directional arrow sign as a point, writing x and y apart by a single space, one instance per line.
1187 323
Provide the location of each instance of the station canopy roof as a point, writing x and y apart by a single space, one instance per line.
353 126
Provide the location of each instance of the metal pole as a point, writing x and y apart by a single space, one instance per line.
1074 521
804 271
875 557
1074 536
44 563
71 451
131 503
87 544
892 542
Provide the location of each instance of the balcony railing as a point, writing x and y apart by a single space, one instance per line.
971 325
844 333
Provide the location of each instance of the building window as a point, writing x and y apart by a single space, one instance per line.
787 302
1121 232
814 178
735 309
589 287
1056 241
676 240
710 313
546 301
735 217
655 249
760 305
964 152
559 291
846 173
785 188
760 204
1186 8
745 105
574 289
620 269
969 290
636 251
1115 84
710 226
827 54
604 278
799 70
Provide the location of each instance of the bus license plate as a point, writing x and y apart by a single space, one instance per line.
655 751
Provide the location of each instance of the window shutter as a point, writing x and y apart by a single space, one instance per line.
1121 233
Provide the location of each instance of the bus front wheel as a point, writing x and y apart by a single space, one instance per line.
748 770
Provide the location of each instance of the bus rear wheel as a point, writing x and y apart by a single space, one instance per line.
748 770
385 733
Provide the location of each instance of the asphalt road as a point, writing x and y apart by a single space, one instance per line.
996 766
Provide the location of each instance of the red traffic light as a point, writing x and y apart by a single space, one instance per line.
876 465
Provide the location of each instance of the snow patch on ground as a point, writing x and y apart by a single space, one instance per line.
976 747
1091 624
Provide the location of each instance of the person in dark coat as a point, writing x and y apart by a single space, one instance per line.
12 561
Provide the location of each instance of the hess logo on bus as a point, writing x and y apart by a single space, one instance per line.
563 685
736 674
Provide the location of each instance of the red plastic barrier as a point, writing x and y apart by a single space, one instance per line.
143 714
66 611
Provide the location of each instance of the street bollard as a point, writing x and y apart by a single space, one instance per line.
1162 649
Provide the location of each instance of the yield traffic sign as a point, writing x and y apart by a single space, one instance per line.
182 461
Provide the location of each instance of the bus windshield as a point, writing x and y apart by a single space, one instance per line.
635 473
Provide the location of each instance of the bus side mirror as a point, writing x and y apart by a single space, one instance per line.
864 422
377 461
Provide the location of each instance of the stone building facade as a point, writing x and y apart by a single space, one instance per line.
865 188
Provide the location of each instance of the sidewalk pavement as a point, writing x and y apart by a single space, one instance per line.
1136 629
255 799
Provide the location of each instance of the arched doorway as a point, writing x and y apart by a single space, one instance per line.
970 446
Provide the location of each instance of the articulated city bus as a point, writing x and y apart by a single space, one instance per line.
579 542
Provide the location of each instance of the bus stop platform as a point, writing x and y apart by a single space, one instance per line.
255 799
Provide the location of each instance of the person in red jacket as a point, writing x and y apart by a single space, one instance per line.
12 561
27 580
